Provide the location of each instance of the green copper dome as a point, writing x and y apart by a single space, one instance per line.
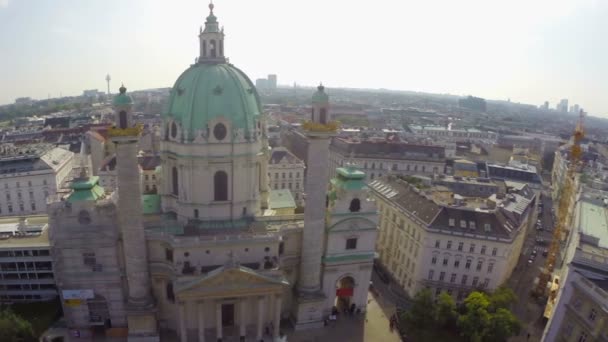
320 96
122 98
207 91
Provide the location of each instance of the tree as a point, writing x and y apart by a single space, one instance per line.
502 297
502 326
423 312
13 328
446 310
476 319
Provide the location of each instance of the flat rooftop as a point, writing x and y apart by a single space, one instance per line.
594 222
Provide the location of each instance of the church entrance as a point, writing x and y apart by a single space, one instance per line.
227 315
344 293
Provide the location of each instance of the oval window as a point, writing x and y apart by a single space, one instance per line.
219 131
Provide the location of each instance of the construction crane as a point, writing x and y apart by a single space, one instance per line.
563 216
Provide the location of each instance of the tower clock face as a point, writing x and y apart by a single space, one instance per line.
219 131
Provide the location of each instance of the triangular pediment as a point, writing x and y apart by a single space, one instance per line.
230 279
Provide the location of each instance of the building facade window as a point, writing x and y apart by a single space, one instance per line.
468 264
174 181
475 281
445 261
460 245
437 243
355 205
472 248
463 281
483 250
431 273
434 260
449 245
490 267
220 186
494 251
479 265
441 276
351 243
456 263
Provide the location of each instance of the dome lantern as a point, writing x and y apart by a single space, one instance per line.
211 40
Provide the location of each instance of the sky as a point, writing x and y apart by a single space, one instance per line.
529 51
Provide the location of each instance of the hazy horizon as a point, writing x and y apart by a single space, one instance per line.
528 52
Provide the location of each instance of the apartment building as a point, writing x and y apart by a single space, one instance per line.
286 171
26 268
29 174
579 312
378 158
431 237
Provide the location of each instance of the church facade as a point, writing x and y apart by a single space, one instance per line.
208 262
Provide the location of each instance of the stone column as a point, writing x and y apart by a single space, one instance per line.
260 331
218 320
130 220
183 331
314 214
242 326
201 320
277 316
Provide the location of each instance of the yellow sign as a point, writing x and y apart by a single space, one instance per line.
73 302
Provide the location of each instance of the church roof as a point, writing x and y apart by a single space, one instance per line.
206 92
86 189
280 199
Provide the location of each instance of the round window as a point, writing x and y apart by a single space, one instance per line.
173 130
219 131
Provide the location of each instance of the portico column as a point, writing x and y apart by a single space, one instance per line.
260 318
183 334
277 316
201 320
242 319
218 320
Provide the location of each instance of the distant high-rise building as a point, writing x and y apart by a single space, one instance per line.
562 106
545 106
272 81
575 108
261 84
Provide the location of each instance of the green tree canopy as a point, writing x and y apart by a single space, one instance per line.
476 319
446 310
423 312
13 328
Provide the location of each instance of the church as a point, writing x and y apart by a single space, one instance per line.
205 259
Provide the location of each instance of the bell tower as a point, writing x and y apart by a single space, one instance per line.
211 40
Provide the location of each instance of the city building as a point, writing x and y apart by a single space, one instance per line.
286 171
272 81
148 168
579 311
29 174
473 103
432 236
450 133
200 260
381 157
26 265
562 106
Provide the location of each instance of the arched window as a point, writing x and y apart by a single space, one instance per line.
173 130
170 294
355 205
204 48
175 181
122 119
220 186
323 116
220 131
212 48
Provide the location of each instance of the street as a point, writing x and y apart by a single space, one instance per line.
529 310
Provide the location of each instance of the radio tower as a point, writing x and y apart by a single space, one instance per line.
108 78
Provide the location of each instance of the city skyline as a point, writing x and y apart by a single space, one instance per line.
552 52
